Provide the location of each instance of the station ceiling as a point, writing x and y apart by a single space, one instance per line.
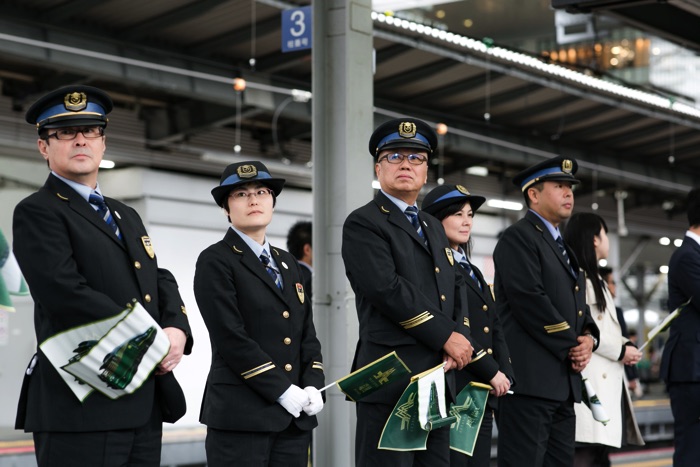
169 66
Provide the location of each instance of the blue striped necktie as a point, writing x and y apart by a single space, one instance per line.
265 259
412 215
102 209
469 269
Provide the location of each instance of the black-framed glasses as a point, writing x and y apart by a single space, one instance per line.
262 193
397 158
89 132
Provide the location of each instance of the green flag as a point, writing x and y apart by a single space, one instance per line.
420 408
469 411
11 280
372 377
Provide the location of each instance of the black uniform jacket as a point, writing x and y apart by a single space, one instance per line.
492 353
263 338
407 294
79 271
542 307
680 362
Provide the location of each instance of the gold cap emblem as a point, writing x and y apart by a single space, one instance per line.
407 130
567 166
75 101
462 190
247 171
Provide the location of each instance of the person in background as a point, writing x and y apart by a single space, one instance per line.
680 362
299 245
631 371
455 207
586 234
407 288
85 256
541 302
262 393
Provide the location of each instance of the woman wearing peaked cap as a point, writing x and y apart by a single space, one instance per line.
455 207
261 395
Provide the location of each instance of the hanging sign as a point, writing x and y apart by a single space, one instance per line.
296 29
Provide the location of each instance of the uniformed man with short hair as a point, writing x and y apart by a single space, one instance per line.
85 256
407 290
262 393
541 302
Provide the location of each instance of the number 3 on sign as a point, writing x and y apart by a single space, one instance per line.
296 29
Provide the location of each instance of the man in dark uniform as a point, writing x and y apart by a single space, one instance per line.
85 257
262 393
540 298
299 245
680 362
407 290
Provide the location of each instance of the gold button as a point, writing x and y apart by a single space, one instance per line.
285 314
580 313
147 297
437 270
288 367
287 340
600 317
486 329
485 308
443 298
576 288
137 265
489 351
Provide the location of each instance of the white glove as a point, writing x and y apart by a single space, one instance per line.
294 400
315 401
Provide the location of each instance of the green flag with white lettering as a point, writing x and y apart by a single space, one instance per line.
11 280
373 376
469 412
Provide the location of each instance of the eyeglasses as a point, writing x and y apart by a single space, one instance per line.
262 193
90 132
397 158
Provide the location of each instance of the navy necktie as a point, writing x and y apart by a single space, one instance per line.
265 259
102 209
562 248
469 269
412 215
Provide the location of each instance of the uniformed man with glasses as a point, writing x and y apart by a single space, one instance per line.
407 292
85 256
261 396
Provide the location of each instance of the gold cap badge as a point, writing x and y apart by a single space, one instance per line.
462 190
567 166
247 171
75 101
407 130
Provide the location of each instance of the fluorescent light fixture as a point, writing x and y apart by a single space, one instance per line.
678 242
663 269
664 241
477 170
107 164
538 65
396 5
502 204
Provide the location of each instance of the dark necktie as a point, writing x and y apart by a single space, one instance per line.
265 259
103 211
469 269
560 244
412 215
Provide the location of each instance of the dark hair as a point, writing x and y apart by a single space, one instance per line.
298 236
694 207
605 272
579 233
449 210
539 186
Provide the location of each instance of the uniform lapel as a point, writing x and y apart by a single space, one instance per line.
289 283
399 219
78 204
248 259
552 244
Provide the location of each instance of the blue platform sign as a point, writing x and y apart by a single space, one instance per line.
296 29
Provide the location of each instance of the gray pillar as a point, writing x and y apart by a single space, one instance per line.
342 177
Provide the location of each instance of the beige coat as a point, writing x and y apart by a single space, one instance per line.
607 376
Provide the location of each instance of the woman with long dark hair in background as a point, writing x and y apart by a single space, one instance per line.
586 235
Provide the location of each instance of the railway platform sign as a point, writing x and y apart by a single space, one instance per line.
296 29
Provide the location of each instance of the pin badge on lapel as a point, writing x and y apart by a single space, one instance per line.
148 246
116 213
284 265
300 292
450 258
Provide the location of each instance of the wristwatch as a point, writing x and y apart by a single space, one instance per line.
595 341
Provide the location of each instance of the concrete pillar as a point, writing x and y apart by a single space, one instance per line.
342 89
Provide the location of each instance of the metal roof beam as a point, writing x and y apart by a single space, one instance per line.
178 15
262 28
529 110
413 75
68 9
464 85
